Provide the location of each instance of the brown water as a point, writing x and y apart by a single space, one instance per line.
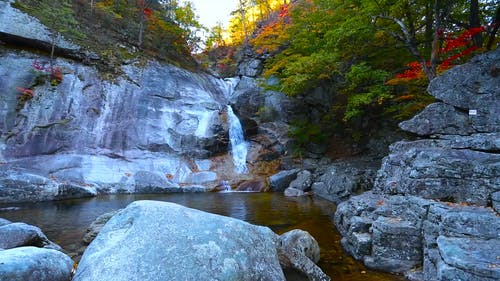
65 222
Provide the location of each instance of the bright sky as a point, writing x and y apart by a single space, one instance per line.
213 11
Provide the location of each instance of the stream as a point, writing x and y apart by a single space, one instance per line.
65 222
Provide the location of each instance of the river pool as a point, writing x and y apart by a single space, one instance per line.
65 222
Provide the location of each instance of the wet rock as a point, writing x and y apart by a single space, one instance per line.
281 180
195 188
293 192
34 264
303 181
147 240
302 241
148 182
18 234
258 185
96 226
342 179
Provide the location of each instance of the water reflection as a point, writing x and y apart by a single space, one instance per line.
65 222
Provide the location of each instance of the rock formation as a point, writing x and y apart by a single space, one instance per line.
150 240
26 254
434 207
146 127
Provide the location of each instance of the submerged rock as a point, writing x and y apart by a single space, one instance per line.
151 240
34 264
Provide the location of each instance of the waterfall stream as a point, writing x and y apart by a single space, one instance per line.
239 147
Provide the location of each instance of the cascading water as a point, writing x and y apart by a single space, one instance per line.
239 147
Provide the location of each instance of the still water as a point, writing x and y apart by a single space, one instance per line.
65 222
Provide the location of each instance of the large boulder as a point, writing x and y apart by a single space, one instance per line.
469 94
151 240
281 180
34 264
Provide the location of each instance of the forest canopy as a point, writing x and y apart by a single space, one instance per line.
377 55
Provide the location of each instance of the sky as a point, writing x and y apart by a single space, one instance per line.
213 11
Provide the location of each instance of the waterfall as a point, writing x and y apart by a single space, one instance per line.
239 147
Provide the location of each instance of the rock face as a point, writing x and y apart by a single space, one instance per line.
461 164
34 264
151 128
138 134
151 240
399 233
400 225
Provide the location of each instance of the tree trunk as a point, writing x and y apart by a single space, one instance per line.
475 22
493 33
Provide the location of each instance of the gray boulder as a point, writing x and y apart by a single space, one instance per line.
303 181
18 234
451 122
281 180
302 241
342 179
151 240
251 67
298 252
34 264
473 86
148 182
96 226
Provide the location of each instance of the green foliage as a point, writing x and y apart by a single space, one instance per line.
305 133
364 87
56 14
163 29
352 48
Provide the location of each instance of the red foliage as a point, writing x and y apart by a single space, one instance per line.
26 93
284 11
455 47
37 66
148 12
55 72
414 71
